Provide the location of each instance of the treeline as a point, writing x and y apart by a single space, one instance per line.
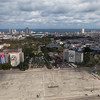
68 37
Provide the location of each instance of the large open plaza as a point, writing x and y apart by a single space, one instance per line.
65 84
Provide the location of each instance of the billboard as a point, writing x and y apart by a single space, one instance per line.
71 56
3 59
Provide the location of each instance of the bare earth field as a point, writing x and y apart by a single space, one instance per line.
69 84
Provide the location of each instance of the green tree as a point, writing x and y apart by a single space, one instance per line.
86 58
44 50
0 66
87 49
23 66
6 66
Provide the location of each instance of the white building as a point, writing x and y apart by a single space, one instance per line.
83 31
14 56
65 54
72 56
78 57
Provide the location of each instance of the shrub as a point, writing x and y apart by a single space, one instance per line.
48 65
23 66
6 66
0 66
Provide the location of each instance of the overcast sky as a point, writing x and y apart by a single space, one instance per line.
49 14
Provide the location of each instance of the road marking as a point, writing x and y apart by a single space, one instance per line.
43 84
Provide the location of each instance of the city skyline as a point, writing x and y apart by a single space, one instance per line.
50 14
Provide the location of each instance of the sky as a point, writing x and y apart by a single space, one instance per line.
50 14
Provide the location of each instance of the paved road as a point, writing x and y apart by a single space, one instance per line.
82 98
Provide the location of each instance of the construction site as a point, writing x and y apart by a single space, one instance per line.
44 84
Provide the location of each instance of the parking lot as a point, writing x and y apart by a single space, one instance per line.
48 84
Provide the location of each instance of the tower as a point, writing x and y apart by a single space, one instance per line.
83 31
11 31
3 33
15 31
27 30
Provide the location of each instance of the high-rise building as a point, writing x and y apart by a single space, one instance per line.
83 31
27 30
3 33
10 31
15 31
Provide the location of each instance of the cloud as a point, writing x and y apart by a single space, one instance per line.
49 13
6 0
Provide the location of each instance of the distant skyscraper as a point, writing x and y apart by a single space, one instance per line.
15 31
27 30
11 31
3 33
83 31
